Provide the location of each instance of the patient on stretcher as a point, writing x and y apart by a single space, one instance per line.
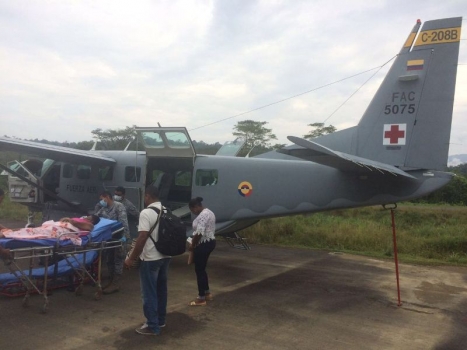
65 228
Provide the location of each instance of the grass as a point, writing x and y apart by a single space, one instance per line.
425 234
12 211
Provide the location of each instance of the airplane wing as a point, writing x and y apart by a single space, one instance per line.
314 152
64 154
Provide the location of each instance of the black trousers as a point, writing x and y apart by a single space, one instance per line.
200 257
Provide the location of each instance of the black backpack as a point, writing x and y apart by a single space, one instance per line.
172 233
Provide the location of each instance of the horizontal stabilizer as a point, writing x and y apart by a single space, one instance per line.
316 153
64 154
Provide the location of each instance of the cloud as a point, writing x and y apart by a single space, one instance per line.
69 67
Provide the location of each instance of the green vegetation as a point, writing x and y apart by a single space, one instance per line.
425 233
319 129
9 210
13 211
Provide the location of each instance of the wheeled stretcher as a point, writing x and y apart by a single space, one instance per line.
63 264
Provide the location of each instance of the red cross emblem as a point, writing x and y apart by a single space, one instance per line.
394 134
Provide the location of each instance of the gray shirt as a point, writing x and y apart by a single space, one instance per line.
130 208
116 212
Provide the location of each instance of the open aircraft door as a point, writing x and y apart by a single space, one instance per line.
170 161
21 191
173 142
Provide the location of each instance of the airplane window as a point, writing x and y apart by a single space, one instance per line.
32 166
152 139
67 171
18 169
206 177
132 174
156 174
177 140
231 148
46 165
106 173
83 172
183 178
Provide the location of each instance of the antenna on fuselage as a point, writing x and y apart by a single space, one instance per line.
93 148
248 154
129 143
159 125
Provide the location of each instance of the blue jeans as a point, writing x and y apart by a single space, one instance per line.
153 278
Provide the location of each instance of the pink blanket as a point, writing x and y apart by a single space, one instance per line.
49 229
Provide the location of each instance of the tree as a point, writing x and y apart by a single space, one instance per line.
254 133
319 130
115 139
278 146
460 169
455 193
202 147
84 145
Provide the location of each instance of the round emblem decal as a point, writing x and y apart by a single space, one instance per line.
245 189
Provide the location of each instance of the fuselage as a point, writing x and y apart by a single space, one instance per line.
280 188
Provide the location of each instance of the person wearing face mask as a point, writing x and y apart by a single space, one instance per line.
131 211
114 210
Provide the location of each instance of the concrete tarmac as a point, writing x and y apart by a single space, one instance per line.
265 298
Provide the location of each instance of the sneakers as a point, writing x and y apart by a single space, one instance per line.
202 302
145 325
145 331
198 302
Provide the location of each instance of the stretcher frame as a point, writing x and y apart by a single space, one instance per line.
69 254
81 270
26 279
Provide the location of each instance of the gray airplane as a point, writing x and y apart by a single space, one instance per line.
397 152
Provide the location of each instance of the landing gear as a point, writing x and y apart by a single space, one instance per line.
235 241
31 215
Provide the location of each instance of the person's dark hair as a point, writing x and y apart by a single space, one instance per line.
106 194
194 202
152 192
95 219
120 189
2 193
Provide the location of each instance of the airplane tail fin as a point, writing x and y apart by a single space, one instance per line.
408 122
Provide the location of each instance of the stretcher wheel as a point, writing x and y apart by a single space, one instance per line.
79 290
25 302
98 295
45 308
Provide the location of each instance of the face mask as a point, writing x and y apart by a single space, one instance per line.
118 198
103 203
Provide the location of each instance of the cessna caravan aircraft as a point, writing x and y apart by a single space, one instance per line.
397 152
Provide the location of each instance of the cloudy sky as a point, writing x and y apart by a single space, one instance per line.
69 67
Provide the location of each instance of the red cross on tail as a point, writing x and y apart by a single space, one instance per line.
394 134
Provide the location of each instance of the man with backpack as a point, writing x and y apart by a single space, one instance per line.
154 265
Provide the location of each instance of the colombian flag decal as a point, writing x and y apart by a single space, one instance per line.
415 64
245 189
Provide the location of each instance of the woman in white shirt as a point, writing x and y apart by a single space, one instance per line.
202 244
